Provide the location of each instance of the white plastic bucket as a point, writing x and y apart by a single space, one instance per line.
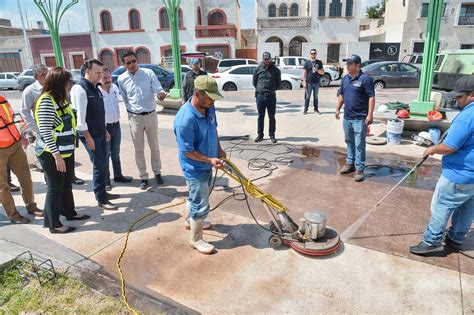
394 131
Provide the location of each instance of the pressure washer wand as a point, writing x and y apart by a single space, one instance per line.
350 231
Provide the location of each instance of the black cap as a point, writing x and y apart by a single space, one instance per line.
463 85
353 59
266 55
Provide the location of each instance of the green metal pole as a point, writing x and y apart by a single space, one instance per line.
53 12
424 104
172 7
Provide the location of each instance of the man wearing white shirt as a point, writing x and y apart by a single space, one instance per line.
138 87
110 94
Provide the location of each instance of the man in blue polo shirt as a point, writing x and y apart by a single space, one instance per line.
358 96
195 127
454 193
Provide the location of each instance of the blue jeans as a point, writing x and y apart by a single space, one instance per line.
198 199
99 162
450 198
113 150
311 87
355 131
266 103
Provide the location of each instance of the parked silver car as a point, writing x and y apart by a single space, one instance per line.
8 80
25 78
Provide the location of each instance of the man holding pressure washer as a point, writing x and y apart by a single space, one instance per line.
195 127
454 193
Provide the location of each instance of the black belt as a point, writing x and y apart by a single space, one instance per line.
117 122
266 93
142 113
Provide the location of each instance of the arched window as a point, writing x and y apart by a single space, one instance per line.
217 18
165 21
272 10
134 19
294 10
283 10
199 16
143 55
107 58
106 21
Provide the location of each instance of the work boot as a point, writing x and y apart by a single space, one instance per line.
187 225
348 168
359 176
423 249
196 240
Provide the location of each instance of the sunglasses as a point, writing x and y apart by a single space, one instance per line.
313 53
128 63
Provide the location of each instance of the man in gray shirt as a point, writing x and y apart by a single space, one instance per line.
138 87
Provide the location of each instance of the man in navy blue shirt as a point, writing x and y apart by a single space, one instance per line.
195 127
454 193
358 96
312 71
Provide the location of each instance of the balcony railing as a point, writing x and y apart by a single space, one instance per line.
285 22
466 20
227 30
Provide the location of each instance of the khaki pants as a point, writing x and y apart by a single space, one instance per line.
139 125
15 158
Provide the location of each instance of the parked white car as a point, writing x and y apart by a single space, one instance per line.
225 64
294 65
240 78
8 80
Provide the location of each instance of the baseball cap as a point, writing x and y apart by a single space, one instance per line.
353 59
463 85
194 61
266 55
209 85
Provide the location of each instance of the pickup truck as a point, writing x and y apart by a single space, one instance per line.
294 65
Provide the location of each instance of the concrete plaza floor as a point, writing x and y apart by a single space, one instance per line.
372 273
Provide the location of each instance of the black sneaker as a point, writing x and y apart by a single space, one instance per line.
77 181
348 168
123 179
423 249
159 179
259 138
144 184
111 196
272 139
454 245
13 187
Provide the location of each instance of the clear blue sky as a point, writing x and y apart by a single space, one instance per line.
75 19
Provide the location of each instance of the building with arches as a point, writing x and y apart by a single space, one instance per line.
294 27
210 26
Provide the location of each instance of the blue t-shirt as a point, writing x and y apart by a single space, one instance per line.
459 166
356 92
195 132
312 67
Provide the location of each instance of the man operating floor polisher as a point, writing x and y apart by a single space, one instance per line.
310 236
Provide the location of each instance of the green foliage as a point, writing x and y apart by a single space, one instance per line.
376 11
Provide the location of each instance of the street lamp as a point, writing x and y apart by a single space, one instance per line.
53 12
172 7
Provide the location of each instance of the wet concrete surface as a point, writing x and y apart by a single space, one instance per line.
394 226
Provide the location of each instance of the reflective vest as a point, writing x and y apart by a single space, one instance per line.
9 134
64 135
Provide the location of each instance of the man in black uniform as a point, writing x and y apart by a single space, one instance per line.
188 84
266 80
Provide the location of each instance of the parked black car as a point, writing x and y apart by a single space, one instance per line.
163 75
370 61
392 74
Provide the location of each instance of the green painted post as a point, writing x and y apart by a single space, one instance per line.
424 104
53 12
172 7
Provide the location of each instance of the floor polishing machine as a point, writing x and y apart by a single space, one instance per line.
309 235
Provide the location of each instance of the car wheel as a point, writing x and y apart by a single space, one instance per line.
285 85
324 81
379 85
229 87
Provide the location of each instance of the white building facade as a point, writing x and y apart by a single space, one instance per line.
294 27
405 22
210 26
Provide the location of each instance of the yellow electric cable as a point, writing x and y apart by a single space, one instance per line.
124 247
252 189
